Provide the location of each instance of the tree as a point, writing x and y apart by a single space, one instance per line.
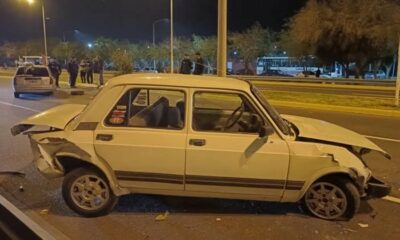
66 50
122 60
104 48
346 30
250 44
207 46
8 50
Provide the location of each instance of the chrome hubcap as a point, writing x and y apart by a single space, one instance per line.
326 200
90 192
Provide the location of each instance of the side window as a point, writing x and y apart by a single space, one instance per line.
224 112
149 108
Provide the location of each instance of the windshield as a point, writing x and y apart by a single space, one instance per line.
33 71
271 110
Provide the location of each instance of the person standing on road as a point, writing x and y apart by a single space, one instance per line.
89 71
186 65
82 67
73 69
55 70
199 64
318 73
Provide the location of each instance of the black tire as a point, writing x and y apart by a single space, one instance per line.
348 192
70 185
16 95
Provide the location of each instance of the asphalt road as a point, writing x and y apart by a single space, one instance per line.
389 93
134 217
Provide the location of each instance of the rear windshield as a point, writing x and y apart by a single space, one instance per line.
33 71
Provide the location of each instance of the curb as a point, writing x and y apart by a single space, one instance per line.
326 107
26 227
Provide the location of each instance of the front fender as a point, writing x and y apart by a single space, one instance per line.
295 196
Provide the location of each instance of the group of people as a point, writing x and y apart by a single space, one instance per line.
86 68
187 65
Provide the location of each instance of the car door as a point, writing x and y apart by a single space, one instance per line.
143 138
232 160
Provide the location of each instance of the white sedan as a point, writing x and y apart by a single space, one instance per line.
198 136
33 79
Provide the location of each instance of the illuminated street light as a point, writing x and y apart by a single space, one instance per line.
90 45
31 2
154 35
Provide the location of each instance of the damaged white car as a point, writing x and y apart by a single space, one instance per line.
198 136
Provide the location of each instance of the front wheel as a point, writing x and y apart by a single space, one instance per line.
87 192
332 199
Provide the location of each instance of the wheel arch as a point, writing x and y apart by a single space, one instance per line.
349 175
71 162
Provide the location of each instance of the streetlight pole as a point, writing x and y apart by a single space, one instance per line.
44 33
154 36
172 35
30 2
398 77
222 37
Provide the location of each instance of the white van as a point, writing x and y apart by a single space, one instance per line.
33 79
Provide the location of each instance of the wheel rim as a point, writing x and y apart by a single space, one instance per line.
326 200
90 192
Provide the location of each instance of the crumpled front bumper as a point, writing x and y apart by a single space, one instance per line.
377 188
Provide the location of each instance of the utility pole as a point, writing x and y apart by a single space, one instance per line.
172 35
398 76
222 37
44 34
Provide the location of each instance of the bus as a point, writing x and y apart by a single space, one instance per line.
288 65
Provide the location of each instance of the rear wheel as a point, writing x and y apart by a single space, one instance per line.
332 199
87 192
16 95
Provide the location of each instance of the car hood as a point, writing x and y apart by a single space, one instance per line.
56 117
328 132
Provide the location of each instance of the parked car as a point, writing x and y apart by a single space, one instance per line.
375 75
279 73
33 79
199 136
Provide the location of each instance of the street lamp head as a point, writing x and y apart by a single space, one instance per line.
30 2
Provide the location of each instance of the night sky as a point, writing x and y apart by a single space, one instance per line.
132 19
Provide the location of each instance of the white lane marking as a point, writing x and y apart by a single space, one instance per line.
392 199
384 139
21 107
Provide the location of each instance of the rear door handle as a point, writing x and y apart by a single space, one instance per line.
197 142
104 137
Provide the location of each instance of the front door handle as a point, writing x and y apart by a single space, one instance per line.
197 142
104 137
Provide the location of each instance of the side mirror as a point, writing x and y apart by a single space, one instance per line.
265 131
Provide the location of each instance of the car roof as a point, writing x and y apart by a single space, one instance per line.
180 80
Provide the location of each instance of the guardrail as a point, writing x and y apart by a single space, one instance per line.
342 81
16 225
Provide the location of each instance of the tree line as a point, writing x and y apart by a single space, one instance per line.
350 32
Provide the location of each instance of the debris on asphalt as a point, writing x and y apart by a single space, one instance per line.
349 230
363 225
21 188
316 232
44 212
218 219
162 217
